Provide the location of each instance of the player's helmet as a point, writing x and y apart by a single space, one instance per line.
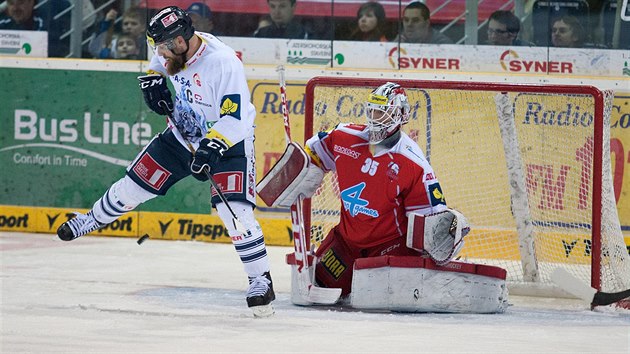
386 109
167 24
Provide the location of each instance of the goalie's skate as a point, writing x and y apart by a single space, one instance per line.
260 295
81 224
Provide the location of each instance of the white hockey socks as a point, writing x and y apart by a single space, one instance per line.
251 249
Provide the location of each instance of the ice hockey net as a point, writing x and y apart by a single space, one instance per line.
528 165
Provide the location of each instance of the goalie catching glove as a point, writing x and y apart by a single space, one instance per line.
156 94
440 235
208 154
292 175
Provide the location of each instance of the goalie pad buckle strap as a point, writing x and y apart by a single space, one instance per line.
292 175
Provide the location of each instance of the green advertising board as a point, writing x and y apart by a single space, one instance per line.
67 135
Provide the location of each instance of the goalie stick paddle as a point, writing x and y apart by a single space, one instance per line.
574 286
238 225
308 291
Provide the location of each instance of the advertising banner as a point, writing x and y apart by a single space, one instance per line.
458 58
68 135
66 140
24 43
427 57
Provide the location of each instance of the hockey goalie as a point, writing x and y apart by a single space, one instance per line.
396 241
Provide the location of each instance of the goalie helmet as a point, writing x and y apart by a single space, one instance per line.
386 109
167 24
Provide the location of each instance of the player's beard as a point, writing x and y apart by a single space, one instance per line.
175 64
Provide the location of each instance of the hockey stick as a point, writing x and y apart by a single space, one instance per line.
307 289
237 224
574 286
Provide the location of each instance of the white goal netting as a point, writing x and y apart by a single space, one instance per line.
529 166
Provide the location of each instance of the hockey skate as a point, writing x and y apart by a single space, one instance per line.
260 295
81 224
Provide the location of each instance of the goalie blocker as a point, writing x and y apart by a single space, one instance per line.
292 175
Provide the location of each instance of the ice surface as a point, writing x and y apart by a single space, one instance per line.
101 294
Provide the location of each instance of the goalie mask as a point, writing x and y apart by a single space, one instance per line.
386 110
168 24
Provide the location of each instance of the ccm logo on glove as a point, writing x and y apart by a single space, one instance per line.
157 96
208 154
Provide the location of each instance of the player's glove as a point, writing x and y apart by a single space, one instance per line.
156 94
208 154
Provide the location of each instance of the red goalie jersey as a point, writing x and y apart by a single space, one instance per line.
377 188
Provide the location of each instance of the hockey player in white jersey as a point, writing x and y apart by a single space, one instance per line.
210 128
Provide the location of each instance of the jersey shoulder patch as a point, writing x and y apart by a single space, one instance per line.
435 194
231 106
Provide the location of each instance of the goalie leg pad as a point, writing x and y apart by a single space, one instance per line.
292 175
440 235
296 297
415 284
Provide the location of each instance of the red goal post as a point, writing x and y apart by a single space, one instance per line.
529 165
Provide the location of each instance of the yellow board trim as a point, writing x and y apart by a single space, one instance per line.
158 225
276 228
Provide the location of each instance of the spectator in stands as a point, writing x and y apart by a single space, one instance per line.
284 25
100 44
201 17
103 45
127 47
370 23
21 15
417 26
503 28
134 23
263 22
567 31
